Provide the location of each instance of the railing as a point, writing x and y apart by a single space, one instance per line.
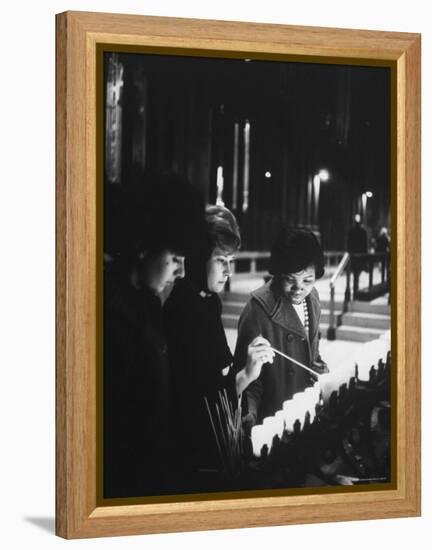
331 332
354 264
253 257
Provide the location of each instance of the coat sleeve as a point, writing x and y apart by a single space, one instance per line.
249 328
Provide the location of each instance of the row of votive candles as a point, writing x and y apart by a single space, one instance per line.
296 408
292 410
366 357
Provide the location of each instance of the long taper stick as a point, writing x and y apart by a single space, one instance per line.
296 362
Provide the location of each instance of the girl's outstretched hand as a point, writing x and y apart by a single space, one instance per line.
259 353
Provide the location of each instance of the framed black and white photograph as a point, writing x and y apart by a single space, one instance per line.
235 340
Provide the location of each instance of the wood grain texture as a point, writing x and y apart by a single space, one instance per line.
236 36
412 260
78 34
61 163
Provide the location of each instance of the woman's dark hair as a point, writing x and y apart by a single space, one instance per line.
163 213
294 250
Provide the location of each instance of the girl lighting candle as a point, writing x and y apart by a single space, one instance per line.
286 311
201 363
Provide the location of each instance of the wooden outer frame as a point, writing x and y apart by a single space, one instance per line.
78 34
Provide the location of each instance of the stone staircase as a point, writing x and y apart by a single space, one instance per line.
364 321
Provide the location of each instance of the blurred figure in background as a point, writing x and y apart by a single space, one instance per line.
357 243
383 241
383 247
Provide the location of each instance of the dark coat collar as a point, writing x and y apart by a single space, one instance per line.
281 311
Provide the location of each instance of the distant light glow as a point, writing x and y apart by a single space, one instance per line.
235 165
324 175
369 194
219 186
246 160
364 204
268 174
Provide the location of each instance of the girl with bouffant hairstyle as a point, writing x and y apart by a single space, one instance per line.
201 361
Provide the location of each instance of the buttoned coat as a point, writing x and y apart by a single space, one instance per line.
272 316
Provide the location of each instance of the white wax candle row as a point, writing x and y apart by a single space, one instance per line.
296 408
292 410
366 357
370 354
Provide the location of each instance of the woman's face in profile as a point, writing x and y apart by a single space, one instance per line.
162 270
297 286
218 270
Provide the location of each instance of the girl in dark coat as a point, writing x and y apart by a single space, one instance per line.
286 311
146 239
201 361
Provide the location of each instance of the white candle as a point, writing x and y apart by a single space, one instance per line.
274 426
365 360
300 407
382 346
288 409
312 396
326 385
281 415
314 392
258 436
342 375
